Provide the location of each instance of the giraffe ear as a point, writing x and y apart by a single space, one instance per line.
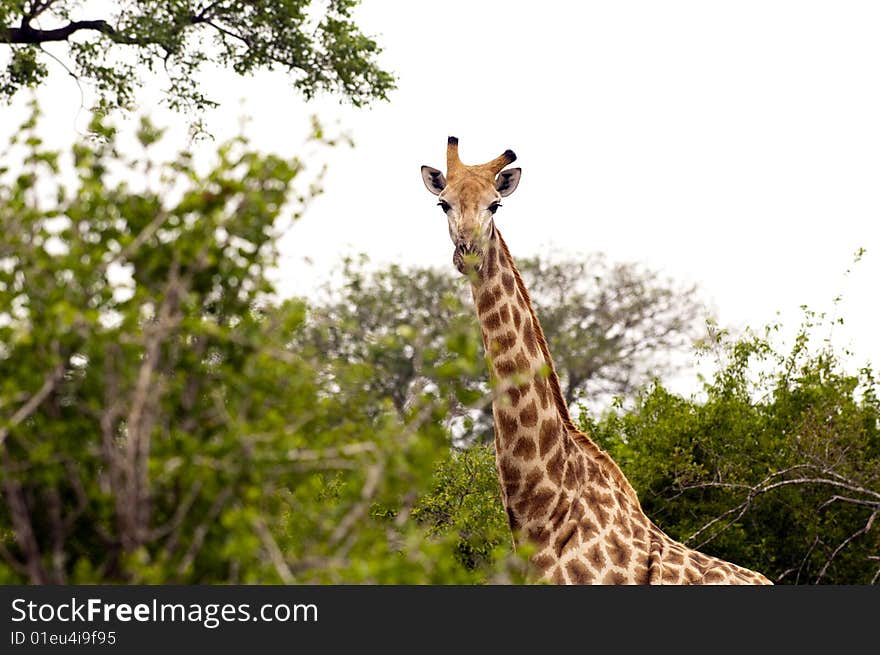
507 181
433 179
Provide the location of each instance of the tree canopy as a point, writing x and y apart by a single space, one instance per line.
318 46
611 327
777 468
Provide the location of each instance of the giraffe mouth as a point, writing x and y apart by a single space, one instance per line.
467 258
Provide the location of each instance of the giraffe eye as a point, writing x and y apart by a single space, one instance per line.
494 207
445 206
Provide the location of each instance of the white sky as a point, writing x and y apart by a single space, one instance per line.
736 145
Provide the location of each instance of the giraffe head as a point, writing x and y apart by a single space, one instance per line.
469 196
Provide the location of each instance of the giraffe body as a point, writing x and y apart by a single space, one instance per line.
562 493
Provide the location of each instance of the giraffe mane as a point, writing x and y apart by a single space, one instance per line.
580 437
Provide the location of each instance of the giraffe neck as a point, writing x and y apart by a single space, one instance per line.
561 491
534 433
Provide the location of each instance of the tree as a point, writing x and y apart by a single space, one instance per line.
610 328
319 52
156 426
778 469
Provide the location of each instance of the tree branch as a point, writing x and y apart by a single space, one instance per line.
768 484
202 530
27 35
274 552
35 401
22 526
858 533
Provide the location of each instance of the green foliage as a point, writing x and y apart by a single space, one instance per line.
777 469
318 46
157 426
23 70
465 501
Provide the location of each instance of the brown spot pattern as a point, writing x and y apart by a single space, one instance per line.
541 502
578 573
548 434
577 510
614 577
670 574
509 471
624 525
692 576
674 557
508 425
559 512
565 538
588 530
512 521
531 481
713 576
554 467
486 301
492 321
508 282
505 368
514 394
542 562
529 337
700 559
539 536
491 263
525 448
618 551
558 577
641 575
596 557
504 342
528 417
602 514
570 479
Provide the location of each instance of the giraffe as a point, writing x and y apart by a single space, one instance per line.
562 493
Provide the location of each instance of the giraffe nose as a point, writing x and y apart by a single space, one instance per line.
464 248
467 256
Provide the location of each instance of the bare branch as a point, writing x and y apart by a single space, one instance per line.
53 511
21 523
768 484
13 563
348 450
368 491
858 533
179 514
36 9
202 531
140 421
25 411
273 551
